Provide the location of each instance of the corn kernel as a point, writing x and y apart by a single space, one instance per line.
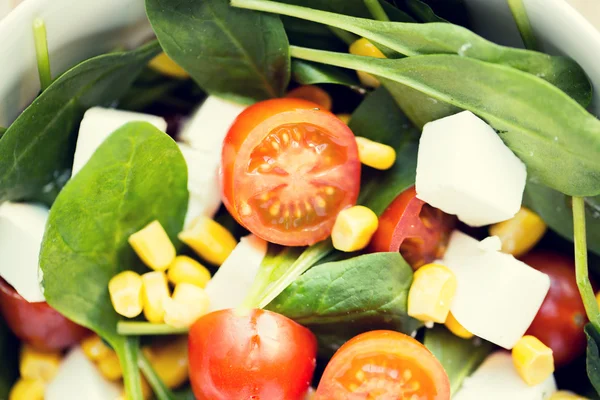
110 367
189 302
598 299
170 361
520 233
186 269
209 239
314 94
375 155
533 360
456 328
165 65
362 47
94 348
354 228
565 395
38 365
153 246
155 290
431 293
27 389
126 293
345 118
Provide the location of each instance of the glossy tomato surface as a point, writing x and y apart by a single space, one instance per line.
288 168
383 365
409 225
259 355
38 324
559 322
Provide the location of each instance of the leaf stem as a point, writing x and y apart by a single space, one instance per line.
374 7
581 263
158 387
523 24
128 352
134 328
41 52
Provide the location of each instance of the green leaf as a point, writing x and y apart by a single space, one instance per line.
136 176
2 131
593 356
367 292
422 11
231 53
161 391
355 8
307 73
459 357
538 122
9 369
37 149
517 8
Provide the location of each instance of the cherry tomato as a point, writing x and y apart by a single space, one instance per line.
258 355
312 93
409 225
288 168
383 365
38 324
560 320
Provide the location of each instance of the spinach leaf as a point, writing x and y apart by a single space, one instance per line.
307 73
355 8
331 294
8 354
421 10
459 357
2 131
136 176
538 122
229 52
419 39
37 149
311 34
593 356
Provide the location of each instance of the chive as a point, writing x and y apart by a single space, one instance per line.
41 51
376 10
133 328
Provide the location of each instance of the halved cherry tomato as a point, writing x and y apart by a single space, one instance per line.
38 324
312 93
383 365
409 225
560 320
288 168
255 355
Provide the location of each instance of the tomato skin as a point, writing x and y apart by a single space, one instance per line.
260 355
560 320
38 324
375 365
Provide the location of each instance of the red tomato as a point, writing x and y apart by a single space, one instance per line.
38 324
560 320
288 168
259 355
409 225
383 365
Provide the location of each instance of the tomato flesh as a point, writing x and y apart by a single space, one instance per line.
288 168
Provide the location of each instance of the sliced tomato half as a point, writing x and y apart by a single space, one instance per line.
288 168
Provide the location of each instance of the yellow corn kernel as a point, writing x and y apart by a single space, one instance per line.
165 65
110 367
520 233
209 239
189 302
313 94
533 360
155 290
431 293
362 47
375 155
345 118
565 395
38 365
186 269
598 299
153 246
170 361
456 328
94 348
354 228
27 389
125 291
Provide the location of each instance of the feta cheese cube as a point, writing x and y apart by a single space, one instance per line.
497 296
231 284
497 379
97 125
22 229
464 168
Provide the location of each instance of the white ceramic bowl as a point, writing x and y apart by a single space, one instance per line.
78 29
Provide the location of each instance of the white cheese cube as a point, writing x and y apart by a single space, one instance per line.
78 378
497 379
497 296
22 229
97 125
209 125
231 284
464 168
